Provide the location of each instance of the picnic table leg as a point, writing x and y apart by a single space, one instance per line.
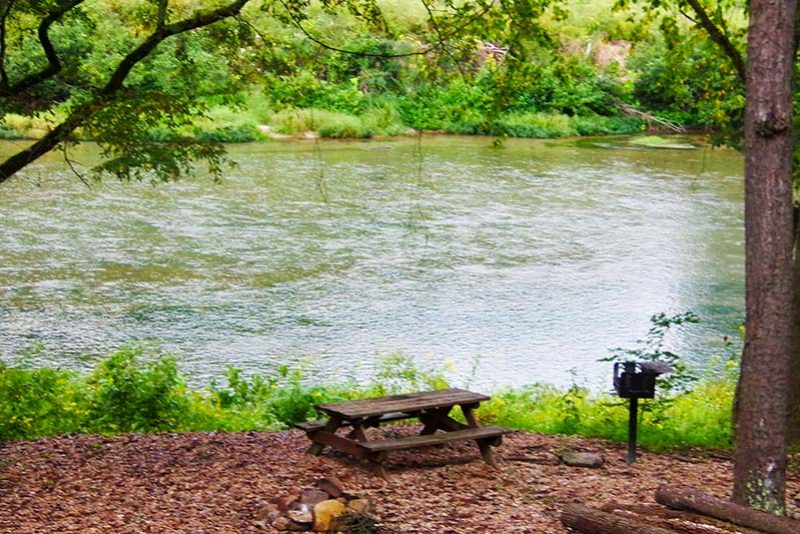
358 432
484 445
439 419
431 425
331 426
376 465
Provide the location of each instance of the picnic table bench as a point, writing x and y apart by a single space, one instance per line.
432 408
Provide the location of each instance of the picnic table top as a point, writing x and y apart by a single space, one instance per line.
408 403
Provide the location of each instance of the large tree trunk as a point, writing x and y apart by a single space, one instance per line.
762 415
794 399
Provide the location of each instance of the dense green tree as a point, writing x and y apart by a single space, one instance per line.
86 58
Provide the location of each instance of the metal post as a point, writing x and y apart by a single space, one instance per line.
632 416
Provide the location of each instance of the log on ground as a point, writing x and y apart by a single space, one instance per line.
592 521
702 503
682 521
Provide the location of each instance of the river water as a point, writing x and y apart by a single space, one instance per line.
528 261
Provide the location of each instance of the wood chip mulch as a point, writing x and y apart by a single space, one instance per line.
217 482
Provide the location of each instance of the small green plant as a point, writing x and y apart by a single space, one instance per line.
651 349
359 523
293 402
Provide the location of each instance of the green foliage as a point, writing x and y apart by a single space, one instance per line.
136 389
685 78
697 418
36 402
128 394
651 349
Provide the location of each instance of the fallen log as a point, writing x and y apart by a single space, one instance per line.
680 520
593 521
702 503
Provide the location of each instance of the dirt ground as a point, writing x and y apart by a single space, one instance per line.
217 482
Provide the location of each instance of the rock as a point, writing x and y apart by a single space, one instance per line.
325 515
332 486
286 502
301 517
267 515
361 506
282 523
311 497
285 524
581 459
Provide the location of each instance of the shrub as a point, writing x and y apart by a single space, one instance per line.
39 402
129 394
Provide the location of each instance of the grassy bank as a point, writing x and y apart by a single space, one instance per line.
240 124
140 390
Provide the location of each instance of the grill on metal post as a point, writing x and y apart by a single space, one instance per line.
634 381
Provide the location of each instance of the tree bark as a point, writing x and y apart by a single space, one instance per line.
696 501
762 414
684 521
592 521
793 435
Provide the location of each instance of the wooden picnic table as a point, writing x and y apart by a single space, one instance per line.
432 408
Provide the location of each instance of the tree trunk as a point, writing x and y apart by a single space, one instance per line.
592 521
794 400
696 501
762 414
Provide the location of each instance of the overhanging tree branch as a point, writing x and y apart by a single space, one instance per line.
718 36
53 62
3 19
84 112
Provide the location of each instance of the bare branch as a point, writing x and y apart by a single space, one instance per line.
435 27
71 164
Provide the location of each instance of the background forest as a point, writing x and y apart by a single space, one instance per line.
517 69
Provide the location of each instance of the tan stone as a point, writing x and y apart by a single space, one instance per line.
301 517
325 514
582 459
361 506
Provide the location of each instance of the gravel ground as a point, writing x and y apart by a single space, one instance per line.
217 482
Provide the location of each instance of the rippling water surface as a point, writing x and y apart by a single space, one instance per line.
531 260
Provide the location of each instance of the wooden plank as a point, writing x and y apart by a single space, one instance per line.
355 448
313 426
412 402
411 442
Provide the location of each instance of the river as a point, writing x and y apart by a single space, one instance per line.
528 261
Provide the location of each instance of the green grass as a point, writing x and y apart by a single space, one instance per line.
143 390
